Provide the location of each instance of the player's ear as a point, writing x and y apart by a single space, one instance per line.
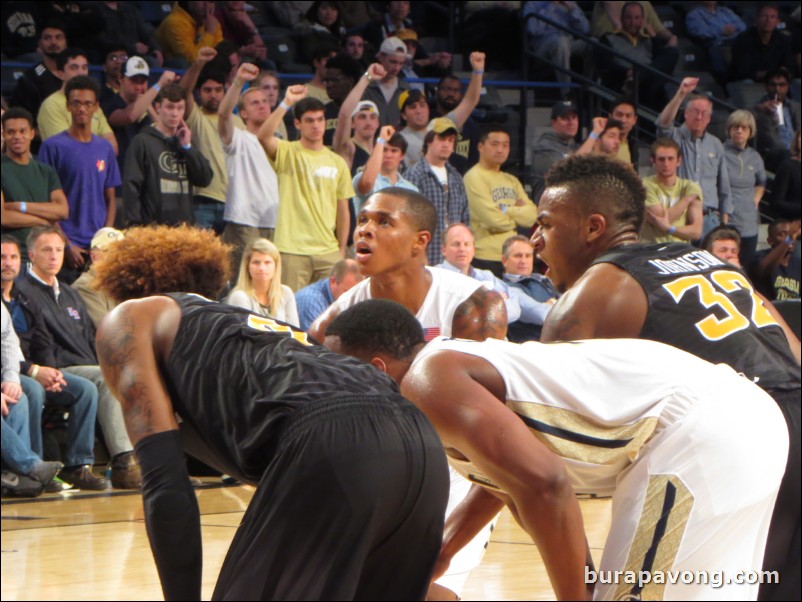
596 226
379 364
422 239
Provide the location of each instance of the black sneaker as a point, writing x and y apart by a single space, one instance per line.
45 471
83 478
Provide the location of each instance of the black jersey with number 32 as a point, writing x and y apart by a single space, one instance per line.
708 307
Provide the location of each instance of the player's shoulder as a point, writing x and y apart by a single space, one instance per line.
452 282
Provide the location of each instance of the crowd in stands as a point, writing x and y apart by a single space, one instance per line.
189 123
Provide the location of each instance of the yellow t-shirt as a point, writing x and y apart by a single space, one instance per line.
487 192
309 186
666 197
54 117
179 35
319 93
623 153
207 140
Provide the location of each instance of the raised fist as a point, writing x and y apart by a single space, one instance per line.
599 123
376 71
478 61
206 54
294 94
387 132
247 72
688 84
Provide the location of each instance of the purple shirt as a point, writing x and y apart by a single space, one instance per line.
86 170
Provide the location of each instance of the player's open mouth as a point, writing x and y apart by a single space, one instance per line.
362 250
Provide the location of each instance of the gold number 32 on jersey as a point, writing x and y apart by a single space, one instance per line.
711 326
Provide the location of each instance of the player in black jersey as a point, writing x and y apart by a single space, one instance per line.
588 224
351 478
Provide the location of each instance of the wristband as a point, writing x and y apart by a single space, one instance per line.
23 207
381 141
34 370
671 229
157 87
186 146
284 105
367 74
593 136
478 72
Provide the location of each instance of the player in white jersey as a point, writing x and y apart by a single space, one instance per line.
692 452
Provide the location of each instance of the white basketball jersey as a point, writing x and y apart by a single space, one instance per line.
447 292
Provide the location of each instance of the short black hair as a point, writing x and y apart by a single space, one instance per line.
779 72
448 77
54 23
398 141
378 326
7 239
69 53
307 105
82 82
492 128
416 206
623 100
602 185
215 72
171 92
613 124
225 48
347 65
18 113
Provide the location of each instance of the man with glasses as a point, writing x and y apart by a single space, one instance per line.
113 62
87 167
778 117
703 159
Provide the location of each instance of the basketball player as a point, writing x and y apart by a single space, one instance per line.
393 231
588 224
693 456
351 478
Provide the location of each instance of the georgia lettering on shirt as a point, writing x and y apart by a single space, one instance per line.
695 261
501 193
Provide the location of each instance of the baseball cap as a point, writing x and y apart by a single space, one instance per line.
563 108
408 96
134 66
104 237
441 125
365 105
393 45
407 34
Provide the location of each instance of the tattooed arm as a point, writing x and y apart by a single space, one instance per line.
481 316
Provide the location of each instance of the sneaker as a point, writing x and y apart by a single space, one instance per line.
45 471
125 473
17 485
57 486
83 478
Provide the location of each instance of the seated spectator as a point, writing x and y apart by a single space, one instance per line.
386 92
313 300
381 170
606 18
322 27
604 138
539 294
673 204
259 287
625 111
67 323
355 48
97 303
419 62
787 188
238 27
554 44
760 48
83 23
634 41
448 95
778 117
747 181
87 168
724 242
342 74
316 87
497 200
554 144
189 27
53 117
714 27
458 252
113 61
41 80
125 25
389 24
32 192
776 270
162 166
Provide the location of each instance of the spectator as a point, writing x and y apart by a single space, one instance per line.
53 117
189 27
776 270
32 192
252 195
313 300
210 80
322 28
162 166
554 144
760 48
238 27
787 189
389 24
342 74
439 182
458 252
363 121
129 111
448 96
673 204
713 28
314 192
606 18
639 46
724 242
270 84
420 63
115 58
97 303
87 168
747 181
381 170
125 26
498 202
539 294
41 80
604 138
317 85
387 91
259 287
227 59
703 160
82 20
65 319
355 48
625 111
778 117
554 44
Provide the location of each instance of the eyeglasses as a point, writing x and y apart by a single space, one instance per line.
118 58
86 104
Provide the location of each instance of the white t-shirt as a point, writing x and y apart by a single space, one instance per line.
252 198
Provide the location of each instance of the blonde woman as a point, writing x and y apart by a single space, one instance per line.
259 287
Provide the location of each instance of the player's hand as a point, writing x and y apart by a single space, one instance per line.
166 78
183 134
387 132
599 123
206 53
247 72
688 85
75 257
294 94
11 389
51 379
478 61
377 71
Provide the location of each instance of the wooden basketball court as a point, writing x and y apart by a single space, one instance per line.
93 546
